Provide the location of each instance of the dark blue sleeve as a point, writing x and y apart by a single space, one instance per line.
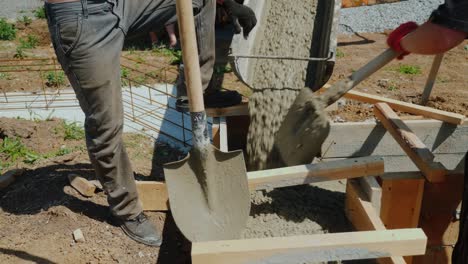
453 14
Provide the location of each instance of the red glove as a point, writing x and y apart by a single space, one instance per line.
394 39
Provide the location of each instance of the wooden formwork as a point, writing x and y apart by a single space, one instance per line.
399 210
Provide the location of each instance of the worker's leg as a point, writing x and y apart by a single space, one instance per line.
88 43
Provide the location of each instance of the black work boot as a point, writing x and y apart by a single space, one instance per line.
142 230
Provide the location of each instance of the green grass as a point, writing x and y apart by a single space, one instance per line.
14 150
72 131
5 76
174 55
409 69
30 42
339 53
25 20
55 79
7 30
223 69
19 53
40 13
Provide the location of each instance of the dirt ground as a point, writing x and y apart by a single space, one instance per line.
39 211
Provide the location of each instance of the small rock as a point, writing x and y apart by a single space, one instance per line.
339 119
82 185
9 177
141 254
78 236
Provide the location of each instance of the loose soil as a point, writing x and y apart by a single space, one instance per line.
39 211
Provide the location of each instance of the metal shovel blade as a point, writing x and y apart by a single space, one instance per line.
208 194
303 130
305 127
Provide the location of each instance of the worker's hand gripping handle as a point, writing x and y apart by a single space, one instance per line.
190 55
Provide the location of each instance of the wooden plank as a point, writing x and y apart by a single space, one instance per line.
452 118
312 248
373 191
311 173
438 219
401 202
363 215
371 138
411 144
237 110
223 137
154 194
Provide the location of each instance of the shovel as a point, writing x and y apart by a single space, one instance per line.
208 190
305 127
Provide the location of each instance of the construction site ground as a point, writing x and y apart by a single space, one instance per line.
40 211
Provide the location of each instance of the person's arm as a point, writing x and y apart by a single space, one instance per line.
432 38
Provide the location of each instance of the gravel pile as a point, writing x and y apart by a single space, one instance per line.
378 18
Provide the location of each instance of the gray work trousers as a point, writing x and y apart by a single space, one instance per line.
88 38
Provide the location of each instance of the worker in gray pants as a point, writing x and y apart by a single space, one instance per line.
88 37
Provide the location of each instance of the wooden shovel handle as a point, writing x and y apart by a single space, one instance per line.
190 55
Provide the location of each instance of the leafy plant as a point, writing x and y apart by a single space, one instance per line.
409 69
339 53
55 78
30 42
25 20
20 53
223 69
72 131
13 149
40 13
174 55
5 76
7 30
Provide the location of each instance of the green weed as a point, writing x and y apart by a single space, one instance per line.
25 20
55 79
223 69
174 55
30 42
339 53
72 131
7 30
40 13
409 69
13 149
5 76
19 53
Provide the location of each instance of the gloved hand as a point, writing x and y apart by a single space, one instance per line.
394 39
242 16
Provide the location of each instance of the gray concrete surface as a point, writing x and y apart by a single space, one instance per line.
12 9
378 18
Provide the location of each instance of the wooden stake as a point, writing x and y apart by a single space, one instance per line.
363 216
410 143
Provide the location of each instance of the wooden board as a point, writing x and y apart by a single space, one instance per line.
312 248
370 138
154 194
438 219
410 143
363 215
452 118
373 191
